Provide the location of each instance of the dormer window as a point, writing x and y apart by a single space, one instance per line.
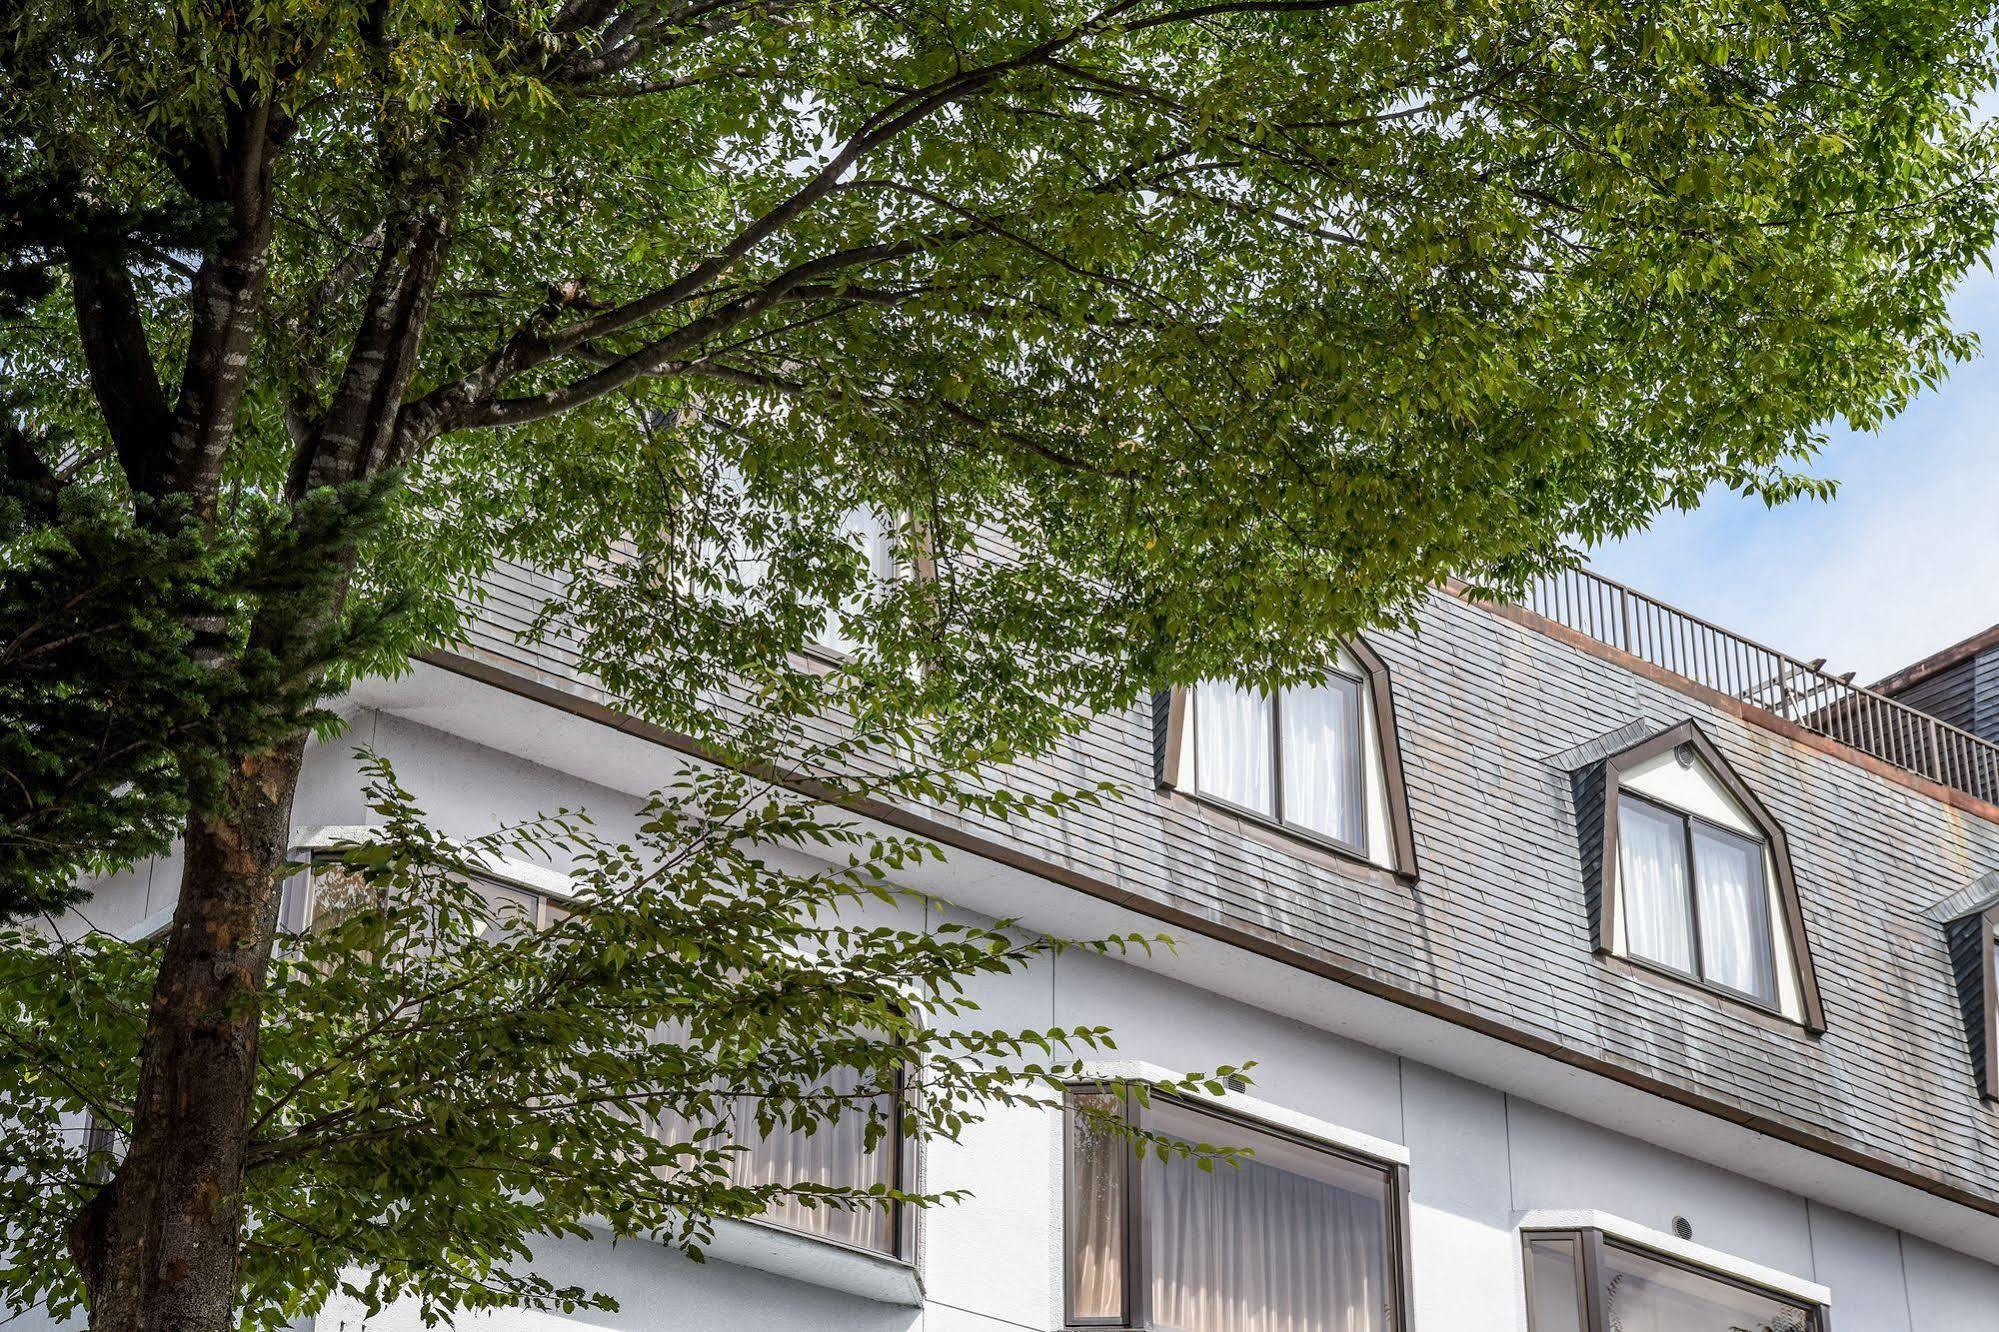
1694 898
872 536
1317 760
1691 875
1293 757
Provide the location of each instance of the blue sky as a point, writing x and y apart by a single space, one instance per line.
1904 561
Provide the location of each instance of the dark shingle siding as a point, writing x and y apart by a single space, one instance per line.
1500 925
1966 937
1985 697
1948 695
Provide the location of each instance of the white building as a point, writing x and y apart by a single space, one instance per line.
1605 981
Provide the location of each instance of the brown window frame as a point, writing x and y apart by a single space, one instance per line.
1690 822
1592 1285
1986 922
1790 908
1136 1275
1175 772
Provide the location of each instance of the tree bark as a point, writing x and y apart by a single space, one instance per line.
158 1245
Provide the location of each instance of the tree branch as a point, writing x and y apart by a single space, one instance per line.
123 378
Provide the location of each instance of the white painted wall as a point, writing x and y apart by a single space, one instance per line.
1480 1158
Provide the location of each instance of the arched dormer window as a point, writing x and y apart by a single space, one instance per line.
1691 876
1319 760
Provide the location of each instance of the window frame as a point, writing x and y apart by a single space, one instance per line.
1175 756
1610 889
1356 768
1591 1282
1988 966
1689 822
1137 1274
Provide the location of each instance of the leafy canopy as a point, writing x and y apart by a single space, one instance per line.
1171 337
1235 325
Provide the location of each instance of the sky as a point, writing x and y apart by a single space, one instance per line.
1905 560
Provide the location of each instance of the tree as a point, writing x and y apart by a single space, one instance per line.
444 1084
1228 326
124 685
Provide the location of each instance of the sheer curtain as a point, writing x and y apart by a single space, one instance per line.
1320 728
833 1154
1096 1215
1734 913
1232 745
1642 1294
1293 1240
1652 883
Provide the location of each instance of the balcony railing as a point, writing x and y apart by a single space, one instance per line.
1798 691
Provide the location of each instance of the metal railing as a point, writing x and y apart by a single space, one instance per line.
1798 691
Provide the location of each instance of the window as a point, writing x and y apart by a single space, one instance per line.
834 1154
1973 939
1318 760
1690 875
1294 757
1298 1238
869 534
1694 899
1586 1281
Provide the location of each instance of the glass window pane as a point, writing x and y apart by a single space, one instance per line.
866 531
1232 746
1293 1240
1554 1286
1320 742
510 911
1734 913
834 1154
1652 878
1095 1215
1643 1294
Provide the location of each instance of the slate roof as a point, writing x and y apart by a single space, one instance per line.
1494 711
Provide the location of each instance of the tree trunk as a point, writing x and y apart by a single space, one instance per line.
158 1246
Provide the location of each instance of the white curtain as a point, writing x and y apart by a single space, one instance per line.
1232 745
832 1154
1734 913
1652 885
1259 1248
1096 1214
1642 1294
1320 726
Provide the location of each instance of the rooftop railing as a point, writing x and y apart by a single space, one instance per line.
1801 692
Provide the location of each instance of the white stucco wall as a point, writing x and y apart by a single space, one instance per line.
1479 1159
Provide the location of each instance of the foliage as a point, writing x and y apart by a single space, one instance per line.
1170 338
1241 325
126 676
443 1087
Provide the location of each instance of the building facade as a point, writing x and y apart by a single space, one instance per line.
1589 987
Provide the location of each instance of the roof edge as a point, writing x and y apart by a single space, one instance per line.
1937 662
1963 801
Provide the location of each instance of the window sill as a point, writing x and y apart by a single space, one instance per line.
1720 999
818 1262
